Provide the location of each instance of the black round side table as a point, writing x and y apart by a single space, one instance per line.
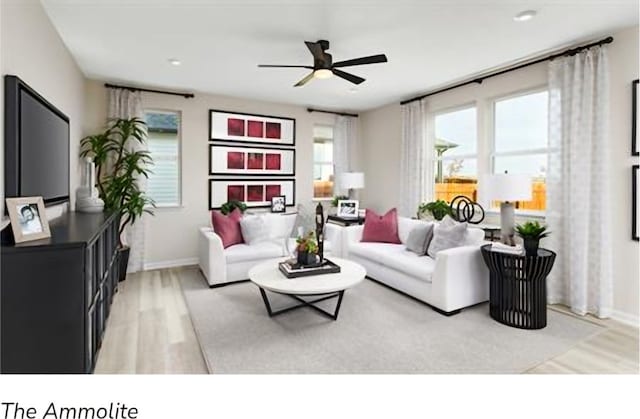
518 287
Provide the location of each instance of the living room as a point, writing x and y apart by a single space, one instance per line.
531 120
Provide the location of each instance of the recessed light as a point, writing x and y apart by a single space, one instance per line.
525 15
174 61
352 90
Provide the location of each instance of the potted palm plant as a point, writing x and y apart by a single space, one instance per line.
119 164
531 233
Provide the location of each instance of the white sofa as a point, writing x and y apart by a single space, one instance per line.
223 266
457 278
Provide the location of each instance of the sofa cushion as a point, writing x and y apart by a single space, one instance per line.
227 227
244 252
406 225
281 225
381 229
448 234
395 256
419 239
255 229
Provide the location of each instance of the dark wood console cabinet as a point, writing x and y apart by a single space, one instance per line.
55 295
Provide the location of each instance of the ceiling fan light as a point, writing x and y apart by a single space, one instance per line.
322 73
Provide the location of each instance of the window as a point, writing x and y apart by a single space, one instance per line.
322 161
521 143
456 150
163 139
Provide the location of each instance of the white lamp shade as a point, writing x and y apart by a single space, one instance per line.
507 187
352 180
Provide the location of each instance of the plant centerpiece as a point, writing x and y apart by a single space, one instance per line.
436 209
307 248
119 164
531 233
228 207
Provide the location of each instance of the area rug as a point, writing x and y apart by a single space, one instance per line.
378 331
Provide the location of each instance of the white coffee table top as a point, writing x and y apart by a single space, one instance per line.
267 275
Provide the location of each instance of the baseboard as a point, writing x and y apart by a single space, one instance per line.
625 318
170 264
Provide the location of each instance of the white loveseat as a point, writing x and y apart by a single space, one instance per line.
457 278
222 266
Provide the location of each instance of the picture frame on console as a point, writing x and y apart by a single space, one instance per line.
347 208
237 127
28 218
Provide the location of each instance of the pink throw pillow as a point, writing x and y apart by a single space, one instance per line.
227 227
383 229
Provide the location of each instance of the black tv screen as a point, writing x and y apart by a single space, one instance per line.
36 145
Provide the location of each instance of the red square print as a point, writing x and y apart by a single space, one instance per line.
271 191
235 193
273 130
254 193
235 126
255 161
272 161
255 129
235 160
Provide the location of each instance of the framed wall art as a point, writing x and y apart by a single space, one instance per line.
253 161
635 118
28 218
251 128
635 204
255 193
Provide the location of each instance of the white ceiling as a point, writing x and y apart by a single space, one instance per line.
428 43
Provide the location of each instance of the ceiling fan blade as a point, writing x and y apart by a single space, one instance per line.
347 76
315 49
283 66
373 59
304 80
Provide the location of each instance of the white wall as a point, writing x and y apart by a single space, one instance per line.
172 232
381 138
31 49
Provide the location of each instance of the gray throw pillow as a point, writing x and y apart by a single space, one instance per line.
419 239
447 235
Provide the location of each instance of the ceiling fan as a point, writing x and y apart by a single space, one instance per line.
324 67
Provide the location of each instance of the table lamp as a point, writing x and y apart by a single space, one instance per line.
507 189
351 181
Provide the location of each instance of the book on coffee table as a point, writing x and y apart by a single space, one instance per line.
291 269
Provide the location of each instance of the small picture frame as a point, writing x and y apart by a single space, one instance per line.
347 208
28 218
278 204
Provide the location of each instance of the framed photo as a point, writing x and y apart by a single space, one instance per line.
347 208
28 218
251 128
255 193
253 161
635 118
278 204
635 204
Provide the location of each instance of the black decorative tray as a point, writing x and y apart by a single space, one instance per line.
291 269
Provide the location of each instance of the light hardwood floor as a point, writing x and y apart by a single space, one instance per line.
150 331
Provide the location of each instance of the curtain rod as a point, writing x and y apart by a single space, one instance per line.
140 89
479 80
355 115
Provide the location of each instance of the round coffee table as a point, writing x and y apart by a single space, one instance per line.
268 277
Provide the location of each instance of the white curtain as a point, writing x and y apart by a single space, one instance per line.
345 149
417 158
577 195
124 103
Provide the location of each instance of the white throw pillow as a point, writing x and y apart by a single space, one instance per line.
448 234
281 225
254 229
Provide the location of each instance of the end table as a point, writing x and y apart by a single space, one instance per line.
518 287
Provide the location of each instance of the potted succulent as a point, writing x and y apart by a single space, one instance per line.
228 207
531 233
119 163
307 248
437 209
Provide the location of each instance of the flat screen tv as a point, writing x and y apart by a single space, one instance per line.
36 145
